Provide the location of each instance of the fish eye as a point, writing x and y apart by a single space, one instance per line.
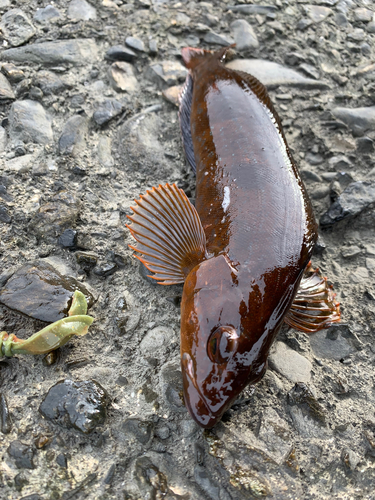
222 343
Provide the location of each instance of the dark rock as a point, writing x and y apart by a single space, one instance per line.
33 496
365 145
6 91
20 480
149 478
356 197
135 43
244 35
341 19
105 269
80 10
79 405
41 292
273 75
3 142
68 239
122 77
217 39
107 110
309 70
166 73
340 182
4 215
50 83
253 9
72 139
28 122
23 455
54 217
47 14
142 431
172 386
78 51
334 343
304 23
16 27
120 53
86 260
153 47
62 461
361 117
5 420
320 246
110 474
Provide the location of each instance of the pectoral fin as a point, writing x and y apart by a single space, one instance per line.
314 307
169 233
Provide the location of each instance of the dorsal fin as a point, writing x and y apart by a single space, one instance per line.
314 307
192 57
169 233
186 98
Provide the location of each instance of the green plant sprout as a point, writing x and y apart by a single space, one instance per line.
53 336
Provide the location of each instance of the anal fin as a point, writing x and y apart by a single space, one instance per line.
169 233
314 307
186 99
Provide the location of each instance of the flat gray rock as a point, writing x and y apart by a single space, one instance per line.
16 27
217 39
356 117
253 9
244 35
6 91
328 346
73 136
28 122
77 52
80 10
273 75
166 73
122 78
47 14
289 363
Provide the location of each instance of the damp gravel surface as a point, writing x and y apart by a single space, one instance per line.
88 122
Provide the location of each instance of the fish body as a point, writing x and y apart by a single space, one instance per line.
242 252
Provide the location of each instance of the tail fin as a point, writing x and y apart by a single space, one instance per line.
193 57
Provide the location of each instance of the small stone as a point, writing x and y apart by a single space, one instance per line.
104 152
5 420
73 138
172 389
370 263
6 91
314 159
47 14
364 15
162 432
87 260
120 53
172 94
78 51
3 144
12 73
28 122
244 35
166 73
333 343
309 70
350 252
206 481
42 440
216 39
349 457
339 163
341 19
153 47
365 145
307 414
318 13
135 43
122 78
68 239
357 35
273 75
142 431
289 363
106 269
23 455
156 340
253 9
107 110
309 175
274 432
360 275
50 83
80 10
320 246
362 117
16 27
33 496
79 405
371 27
354 199
4 215
62 461
41 292
20 480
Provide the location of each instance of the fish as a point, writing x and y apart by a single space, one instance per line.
244 251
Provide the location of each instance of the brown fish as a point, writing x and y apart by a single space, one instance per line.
243 252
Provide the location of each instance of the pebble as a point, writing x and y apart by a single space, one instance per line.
340 19
16 27
354 199
360 275
6 91
253 9
171 384
364 15
157 340
339 163
273 75
81 405
47 14
172 94
365 145
50 83
13 74
38 290
153 47
22 454
104 154
33 496
275 434
73 136
21 164
62 461
122 78
370 264
361 117
78 51
309 70
120 53
135 43
166 73
109 109
206 481
105 269
331 343
317 13
141 430
218 39
244 35
4 215
5 420
80 10
28 122
162 432
371 27
68 239
350 252
370 249
289 363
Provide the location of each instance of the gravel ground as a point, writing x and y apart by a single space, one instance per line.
89 122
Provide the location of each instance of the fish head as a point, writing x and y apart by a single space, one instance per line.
215 363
